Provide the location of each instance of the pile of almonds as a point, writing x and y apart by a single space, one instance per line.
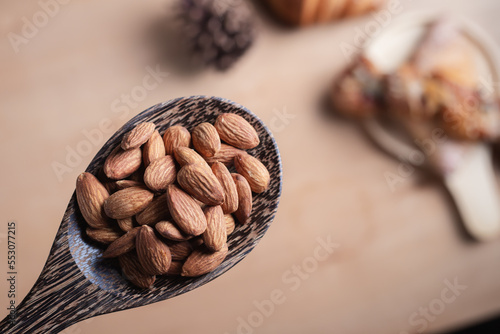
163 208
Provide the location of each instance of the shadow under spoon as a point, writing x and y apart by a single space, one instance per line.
77 284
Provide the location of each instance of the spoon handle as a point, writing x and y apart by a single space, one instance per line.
61 296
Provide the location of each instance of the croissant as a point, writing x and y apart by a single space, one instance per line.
307 12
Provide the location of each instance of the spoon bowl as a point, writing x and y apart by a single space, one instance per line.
76 283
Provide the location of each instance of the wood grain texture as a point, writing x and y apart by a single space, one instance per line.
76 283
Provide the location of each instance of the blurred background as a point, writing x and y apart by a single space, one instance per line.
346 253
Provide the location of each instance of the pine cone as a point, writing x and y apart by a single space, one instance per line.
218 32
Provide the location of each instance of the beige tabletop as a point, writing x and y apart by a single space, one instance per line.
345 254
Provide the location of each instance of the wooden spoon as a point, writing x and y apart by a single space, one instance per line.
76 283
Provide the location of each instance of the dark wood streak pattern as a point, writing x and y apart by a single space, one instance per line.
76 284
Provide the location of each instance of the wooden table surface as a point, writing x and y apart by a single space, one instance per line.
345 254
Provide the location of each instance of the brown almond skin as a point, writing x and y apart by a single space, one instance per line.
187 156
215 236
254 171
170 231
230 224
225 179
186 213
196 242
176 136
160 173
138 135
175 268
180 250
244 198
126 224
138 175
202 205
201 183
153 254
236 131
123 184
120 164
206 139
103 235
156 211
134 272
108 183
91 195
225 155
153 149
127 202
122 245
202 261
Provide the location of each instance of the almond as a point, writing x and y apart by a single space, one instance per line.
120 164
103 235
138 135
170 231
244 198
225 155
186 213
123 184
206 140
91 195
201 204
187 156
108 183
236 131
153 149
134 272
175 268
185 230
160 173
254 171
127 202
202 261
215 236
156 211
230 225
201 183
196 242
176 136
225 179
180 250
126 224
122 245
153 254
138 175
